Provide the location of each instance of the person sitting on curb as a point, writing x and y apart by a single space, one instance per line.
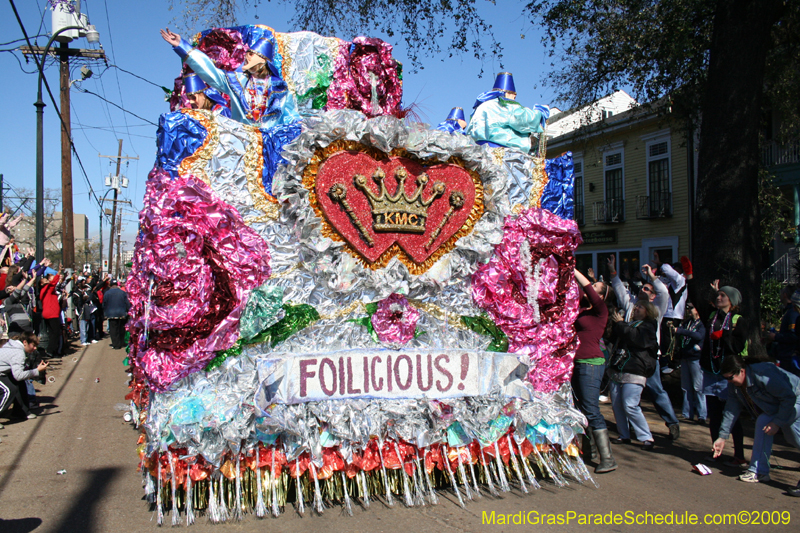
773 391
13 373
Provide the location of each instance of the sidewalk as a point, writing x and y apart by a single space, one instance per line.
80 431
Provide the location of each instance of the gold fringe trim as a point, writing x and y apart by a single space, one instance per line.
282 41
196 163
309 182
538 182
253 168
453 319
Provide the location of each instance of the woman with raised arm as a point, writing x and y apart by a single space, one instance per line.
590 365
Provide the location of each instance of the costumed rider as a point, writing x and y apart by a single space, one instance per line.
201 96
259 96
500 121
455 122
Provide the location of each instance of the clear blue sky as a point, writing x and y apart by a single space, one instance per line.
129 35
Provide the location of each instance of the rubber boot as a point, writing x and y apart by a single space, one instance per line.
607 462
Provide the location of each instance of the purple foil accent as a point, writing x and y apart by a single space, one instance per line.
202 259
225 47
395 320
351 87
500 287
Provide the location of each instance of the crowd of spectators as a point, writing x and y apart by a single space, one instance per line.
632 334
43 309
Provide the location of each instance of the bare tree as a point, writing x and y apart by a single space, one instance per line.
24 202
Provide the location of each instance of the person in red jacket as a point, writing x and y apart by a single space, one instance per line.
51 314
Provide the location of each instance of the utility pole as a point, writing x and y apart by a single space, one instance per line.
119 243
115 184
63 53
114 212
67 218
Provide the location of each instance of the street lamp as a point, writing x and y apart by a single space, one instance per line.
92 32
102 201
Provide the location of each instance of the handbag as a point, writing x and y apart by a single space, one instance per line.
619 357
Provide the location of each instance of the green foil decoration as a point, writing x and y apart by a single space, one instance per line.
296 317
262 310
322 80
234 350
483 325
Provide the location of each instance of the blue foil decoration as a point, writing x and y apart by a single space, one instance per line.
274 140
558 196
450 126
178 137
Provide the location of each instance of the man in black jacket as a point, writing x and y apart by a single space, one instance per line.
115 308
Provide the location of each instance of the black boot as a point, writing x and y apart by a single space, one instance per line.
594 458
607 462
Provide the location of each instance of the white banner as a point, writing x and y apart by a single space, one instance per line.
290 378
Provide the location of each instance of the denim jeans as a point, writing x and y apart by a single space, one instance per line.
762 443
694 401
661 398
586 380
625 398
84 327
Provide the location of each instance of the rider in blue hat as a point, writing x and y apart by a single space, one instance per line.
455 122
500 121
201 96
259 96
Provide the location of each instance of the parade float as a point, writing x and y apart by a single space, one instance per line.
343 305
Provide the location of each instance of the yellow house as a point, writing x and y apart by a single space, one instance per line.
634 173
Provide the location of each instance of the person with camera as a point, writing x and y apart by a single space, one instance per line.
633 360
13 357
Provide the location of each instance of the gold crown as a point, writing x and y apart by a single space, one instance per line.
399 212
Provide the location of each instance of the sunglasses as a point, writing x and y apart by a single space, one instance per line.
647 289
730 378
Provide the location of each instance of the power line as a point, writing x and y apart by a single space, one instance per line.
20 40
116 75
53 101
18 61
81 89
137 76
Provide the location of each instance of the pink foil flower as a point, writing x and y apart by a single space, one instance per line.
194 262
359 65
528 289
395 320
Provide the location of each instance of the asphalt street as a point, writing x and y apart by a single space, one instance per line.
80 430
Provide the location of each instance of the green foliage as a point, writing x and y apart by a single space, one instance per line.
425 26
782 83
777 211
771 308
657 48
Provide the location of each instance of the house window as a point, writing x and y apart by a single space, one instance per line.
579 211
659 186
614 187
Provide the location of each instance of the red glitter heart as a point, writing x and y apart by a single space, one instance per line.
345 205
